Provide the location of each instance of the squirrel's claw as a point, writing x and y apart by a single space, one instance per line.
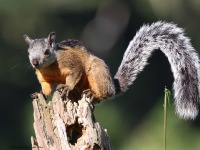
88 93
63 89
34 95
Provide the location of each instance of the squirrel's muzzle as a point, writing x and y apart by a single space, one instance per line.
35 62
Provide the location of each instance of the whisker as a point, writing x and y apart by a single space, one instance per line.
29 67
16 66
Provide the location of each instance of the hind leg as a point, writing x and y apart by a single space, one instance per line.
100 81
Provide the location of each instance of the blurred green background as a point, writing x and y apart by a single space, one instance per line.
135 119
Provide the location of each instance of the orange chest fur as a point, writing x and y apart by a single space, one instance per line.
51 74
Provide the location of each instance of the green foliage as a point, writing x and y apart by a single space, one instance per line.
148 134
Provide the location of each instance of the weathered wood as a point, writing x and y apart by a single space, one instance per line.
66 125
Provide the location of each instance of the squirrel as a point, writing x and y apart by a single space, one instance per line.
71 64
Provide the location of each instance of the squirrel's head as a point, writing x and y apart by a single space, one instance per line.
41 51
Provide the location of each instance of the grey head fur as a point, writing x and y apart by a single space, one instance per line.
41 51
182 57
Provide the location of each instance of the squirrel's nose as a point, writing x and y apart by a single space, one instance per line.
35 62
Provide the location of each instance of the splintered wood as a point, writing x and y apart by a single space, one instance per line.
66 125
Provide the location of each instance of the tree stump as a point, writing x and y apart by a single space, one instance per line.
67 125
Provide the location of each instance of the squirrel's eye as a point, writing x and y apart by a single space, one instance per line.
47 52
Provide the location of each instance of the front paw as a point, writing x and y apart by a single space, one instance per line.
34 95
63 90
88 93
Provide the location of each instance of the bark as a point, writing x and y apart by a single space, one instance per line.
67 125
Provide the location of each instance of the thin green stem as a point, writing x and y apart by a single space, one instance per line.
166 98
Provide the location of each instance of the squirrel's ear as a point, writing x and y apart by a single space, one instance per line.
28 39
52 38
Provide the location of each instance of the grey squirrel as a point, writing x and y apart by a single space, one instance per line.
70 64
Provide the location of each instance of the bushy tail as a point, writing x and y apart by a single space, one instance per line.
183 59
